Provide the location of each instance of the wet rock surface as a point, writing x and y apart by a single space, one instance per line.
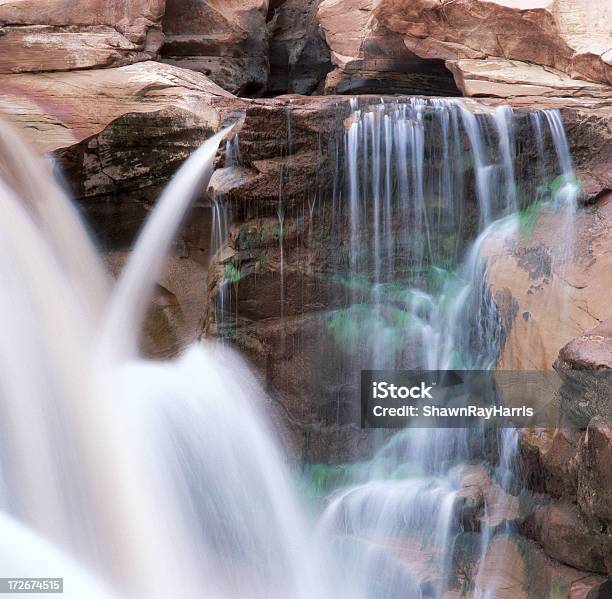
117 135
287 147
522 276
176 310
567 535
595 473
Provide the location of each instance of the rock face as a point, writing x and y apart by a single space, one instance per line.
370 58
61 109
299 56
63 35
507 78
288 147
571 37
595 475
262 47
497 48
545 296
227 41
276 325
118 134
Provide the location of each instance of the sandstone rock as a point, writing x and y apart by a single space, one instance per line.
550 461
227 41
60 109
177 307
516 568
288 148
299 56
585 366
286 144
572 37
369 58
483 504
591 351
59 35
498 48
591 587
568 536
120 137
508 78
595 472
117 134
546 297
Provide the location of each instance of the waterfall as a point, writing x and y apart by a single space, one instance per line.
397 515
134 478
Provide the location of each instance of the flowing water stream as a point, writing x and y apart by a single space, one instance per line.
133 478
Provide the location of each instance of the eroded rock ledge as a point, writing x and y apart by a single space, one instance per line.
56 35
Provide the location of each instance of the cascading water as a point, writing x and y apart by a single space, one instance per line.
126 477
398 518
141 479
424 186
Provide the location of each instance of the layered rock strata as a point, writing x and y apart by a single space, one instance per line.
64 35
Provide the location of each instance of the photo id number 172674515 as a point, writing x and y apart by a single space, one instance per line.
31 585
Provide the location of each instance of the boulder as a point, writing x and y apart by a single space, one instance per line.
595 471
550 459
571 37
63 35
569 536
585 366
370 58
226 41
299 56
591 351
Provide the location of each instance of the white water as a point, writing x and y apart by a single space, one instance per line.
394 523
111 465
